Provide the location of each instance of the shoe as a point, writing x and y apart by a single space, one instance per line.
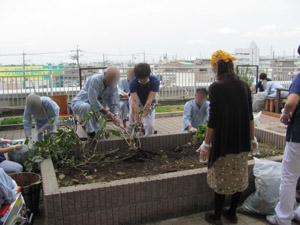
210 218
231 218
272 219
296 218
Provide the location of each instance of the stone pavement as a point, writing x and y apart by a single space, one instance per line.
167 125
198 219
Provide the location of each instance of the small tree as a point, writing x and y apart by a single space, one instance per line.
246 75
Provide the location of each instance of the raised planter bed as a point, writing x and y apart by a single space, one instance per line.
136 200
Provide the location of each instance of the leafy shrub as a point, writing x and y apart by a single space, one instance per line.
201 132
12 120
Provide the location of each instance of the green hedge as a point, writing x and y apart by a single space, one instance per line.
12 120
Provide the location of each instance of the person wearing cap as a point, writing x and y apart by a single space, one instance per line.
196 111
45 113
100 90
6 165
124 95
290 171
143 89
229 137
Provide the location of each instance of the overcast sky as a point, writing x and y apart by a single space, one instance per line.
121 27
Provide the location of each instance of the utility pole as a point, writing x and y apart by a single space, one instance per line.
144 56
24 73
76 55
103 59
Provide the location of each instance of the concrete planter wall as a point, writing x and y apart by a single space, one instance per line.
131 201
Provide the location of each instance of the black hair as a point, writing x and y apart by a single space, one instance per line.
263 76
225 69
203 90
142 70
299 50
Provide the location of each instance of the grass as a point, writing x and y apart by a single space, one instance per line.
169 108
12 120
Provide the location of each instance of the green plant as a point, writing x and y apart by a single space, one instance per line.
172 108
63 147
201 132
12 120
246 75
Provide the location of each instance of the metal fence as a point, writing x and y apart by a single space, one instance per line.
176 83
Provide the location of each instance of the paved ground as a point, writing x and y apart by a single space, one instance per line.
198 219
168 125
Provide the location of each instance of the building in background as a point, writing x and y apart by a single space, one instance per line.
247 56
284 67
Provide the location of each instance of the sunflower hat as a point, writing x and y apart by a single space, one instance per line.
221 55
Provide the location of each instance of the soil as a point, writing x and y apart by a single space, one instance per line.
117 166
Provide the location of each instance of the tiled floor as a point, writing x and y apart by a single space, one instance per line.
166 125
198 219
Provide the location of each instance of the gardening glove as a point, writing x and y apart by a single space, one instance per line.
192 130
109 115
254 144
18 147
285 117
204 152
142 120
116 120
4 141
41 130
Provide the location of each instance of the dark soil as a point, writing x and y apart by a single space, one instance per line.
121 164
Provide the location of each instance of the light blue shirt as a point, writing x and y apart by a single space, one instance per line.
97 95
8 189
123 85
193 115
272 89
41 117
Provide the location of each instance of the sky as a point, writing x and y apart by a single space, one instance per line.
122 28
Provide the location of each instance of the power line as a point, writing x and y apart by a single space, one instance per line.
40 53
76 55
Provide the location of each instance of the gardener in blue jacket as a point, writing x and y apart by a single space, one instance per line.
196 111
44 111
100 90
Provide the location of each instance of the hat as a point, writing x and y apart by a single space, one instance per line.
33 101
221 55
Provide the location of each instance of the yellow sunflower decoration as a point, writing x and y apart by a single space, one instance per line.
221 55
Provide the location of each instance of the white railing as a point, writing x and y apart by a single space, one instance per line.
176 83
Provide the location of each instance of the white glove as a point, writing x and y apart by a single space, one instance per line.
254 144
192 130
116 120
141 122
204 150
5 141
285 117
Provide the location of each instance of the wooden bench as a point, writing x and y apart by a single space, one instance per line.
279 99
274 104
